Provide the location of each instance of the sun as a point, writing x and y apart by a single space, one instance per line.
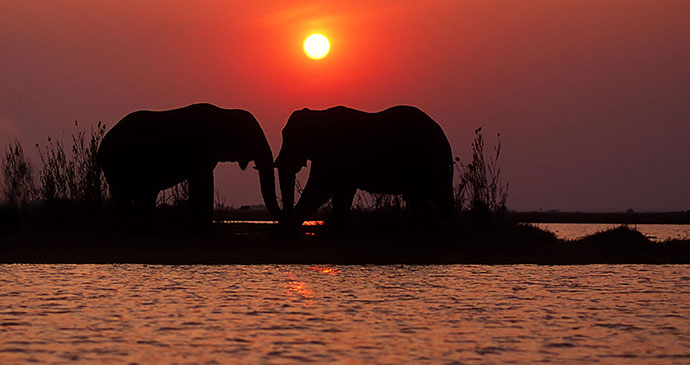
316 46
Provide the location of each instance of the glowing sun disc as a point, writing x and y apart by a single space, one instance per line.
316 46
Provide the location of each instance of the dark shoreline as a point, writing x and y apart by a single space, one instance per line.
682 217
261 244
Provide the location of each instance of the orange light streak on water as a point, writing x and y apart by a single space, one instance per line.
325 269
305 223
160 314
312 223
298 289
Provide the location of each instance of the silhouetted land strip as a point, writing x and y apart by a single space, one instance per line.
682 217
261 244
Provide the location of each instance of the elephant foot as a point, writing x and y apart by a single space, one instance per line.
288 230
288 226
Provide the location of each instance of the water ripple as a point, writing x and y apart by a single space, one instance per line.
371 314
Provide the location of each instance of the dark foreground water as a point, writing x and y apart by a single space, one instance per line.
354 314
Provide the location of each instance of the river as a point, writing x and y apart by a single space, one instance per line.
345 314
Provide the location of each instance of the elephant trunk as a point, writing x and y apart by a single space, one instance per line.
287 189
268 191
264 165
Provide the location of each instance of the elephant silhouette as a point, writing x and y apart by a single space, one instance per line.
149 151
400 150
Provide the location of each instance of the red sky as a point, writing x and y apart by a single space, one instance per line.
591 97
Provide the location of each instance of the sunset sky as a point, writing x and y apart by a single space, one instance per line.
592 98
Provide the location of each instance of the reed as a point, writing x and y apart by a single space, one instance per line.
63 174
19 187
74 176
480 188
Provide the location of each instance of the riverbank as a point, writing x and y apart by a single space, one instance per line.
262 244
681 217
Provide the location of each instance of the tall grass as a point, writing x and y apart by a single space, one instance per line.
480 188
75 176
175 196
19 187
63 175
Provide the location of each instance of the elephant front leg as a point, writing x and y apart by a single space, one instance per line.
201 198
316 193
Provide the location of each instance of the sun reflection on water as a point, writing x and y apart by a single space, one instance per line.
361 314
325 269
240 221
312 223
297 289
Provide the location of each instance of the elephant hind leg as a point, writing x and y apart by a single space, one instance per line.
144 207
429 209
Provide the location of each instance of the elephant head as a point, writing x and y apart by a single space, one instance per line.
249 144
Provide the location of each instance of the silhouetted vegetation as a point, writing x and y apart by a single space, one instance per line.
66 188
60 177
73 177
176 196
480 189
19 187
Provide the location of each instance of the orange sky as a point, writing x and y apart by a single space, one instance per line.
590 96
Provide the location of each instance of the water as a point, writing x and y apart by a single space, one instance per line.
655 232
305 223
361 314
